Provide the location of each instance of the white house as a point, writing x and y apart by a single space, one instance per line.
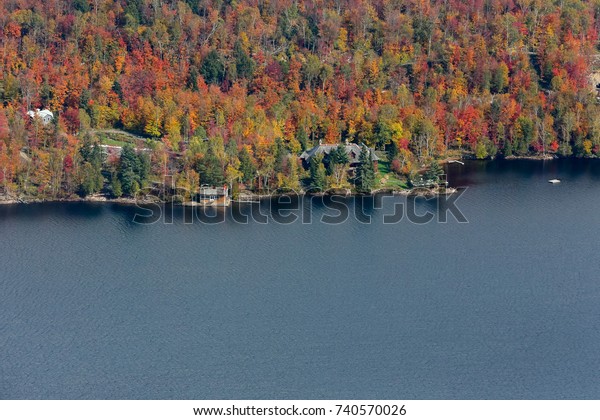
45 115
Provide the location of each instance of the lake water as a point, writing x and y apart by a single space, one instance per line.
93 305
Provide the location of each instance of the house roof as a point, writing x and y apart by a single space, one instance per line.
43 114
352 150
206 190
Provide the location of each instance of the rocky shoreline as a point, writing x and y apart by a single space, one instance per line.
534 157
247 198
96 198
254 198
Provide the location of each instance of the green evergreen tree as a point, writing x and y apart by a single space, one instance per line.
90 151
231 149
213 68
339 164
81 5
192 79
434 172
243 63
302 137
499 80
503 141
210 169
116 88
365 172
143 168
91 179
339 156
392 151
524 134
133 170
115 187
327 162
318 175
280 155
247 167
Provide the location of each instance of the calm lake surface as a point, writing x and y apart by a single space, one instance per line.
93 305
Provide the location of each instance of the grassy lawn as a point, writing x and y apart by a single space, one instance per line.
110 142
113 137
384 167
391 179
395 183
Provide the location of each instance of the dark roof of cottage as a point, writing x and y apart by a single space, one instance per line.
352 149
206 190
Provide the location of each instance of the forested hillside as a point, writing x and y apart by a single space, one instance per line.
233 91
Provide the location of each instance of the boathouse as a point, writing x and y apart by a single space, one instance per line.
213 196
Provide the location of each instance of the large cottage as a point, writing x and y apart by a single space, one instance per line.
352 150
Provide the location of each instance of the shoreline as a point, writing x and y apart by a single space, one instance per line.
249 199
538 157
89 199
471 158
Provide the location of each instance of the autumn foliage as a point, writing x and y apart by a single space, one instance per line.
231 91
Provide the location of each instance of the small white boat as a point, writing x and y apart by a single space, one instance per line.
456 161
554 181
